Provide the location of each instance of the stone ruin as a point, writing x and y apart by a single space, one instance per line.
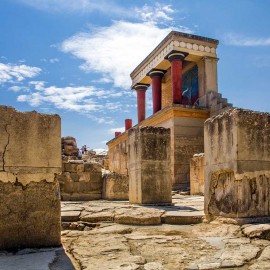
194 141
29 191
80 181
237 165
215 150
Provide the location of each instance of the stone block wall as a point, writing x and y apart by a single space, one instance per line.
149 165
118 154
30 156
115 186
197 170
80 181
237 157
187 141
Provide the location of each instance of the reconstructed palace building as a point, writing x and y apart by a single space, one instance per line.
182 72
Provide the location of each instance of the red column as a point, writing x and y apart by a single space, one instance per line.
128 124
141 89
156 76
176 58
117 133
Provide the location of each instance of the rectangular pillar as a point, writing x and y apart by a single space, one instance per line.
149 165
237 156
30 157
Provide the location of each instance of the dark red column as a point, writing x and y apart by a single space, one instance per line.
117 133
156 75
176 58
141 89
128 124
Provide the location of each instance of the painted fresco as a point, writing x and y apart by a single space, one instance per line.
190 86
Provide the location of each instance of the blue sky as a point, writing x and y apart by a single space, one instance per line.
74 57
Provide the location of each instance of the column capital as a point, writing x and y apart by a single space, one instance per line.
141 86
176 55
154 72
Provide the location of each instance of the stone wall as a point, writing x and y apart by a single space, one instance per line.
187 141
237 156
115 186
197 170
117 154
30 156
80 181
149 165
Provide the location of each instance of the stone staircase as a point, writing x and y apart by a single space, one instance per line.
215 102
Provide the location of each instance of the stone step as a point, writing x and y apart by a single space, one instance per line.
182 218
70 216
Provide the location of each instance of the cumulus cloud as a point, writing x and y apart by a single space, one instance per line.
78 98
240 40
10 73
116 50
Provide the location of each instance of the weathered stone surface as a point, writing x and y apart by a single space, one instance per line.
184 218
237 156
69 146
197 170
263 261
70 215
41 259
29 192
30 132
115 186
27 217
185 146
258 231
139 217
80 182
117 154
98 217
149 171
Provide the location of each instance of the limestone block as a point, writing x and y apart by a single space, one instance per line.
197 168
69 146
30 142
30 157
117 154
182 218
115 186
237 157
187 140
92 167
81 182
73 167
149 165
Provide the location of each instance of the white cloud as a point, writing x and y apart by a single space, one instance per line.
54 60
86 100
80 99
38 85
240 40
155 13
17 88
116 50
83 6
112 130
10 73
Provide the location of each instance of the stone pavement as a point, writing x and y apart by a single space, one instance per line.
101 235
116 235
185 210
